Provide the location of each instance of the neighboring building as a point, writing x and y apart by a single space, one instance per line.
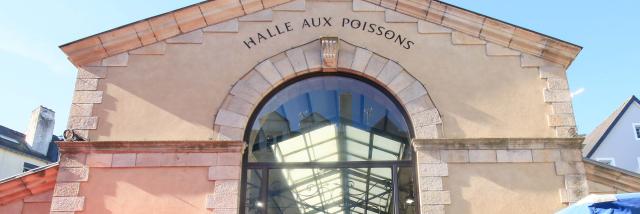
279 106
23 152
616 141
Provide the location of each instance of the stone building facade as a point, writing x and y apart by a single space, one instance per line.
176 112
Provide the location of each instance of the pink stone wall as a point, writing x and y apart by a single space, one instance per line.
147 190
35 204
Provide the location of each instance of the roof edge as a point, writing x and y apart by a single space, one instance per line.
631 100
161 27
30 183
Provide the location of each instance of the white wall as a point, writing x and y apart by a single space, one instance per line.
621 143
11 163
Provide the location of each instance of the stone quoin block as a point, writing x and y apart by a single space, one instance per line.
562 108
124 160
431 183
99 160
225 194
119 60
193 37
66 189
73 160
433 169
556 96
92 72
229 159
557 84
269 72
87 97
432 209
567 168
458 38
552 71
498 50
86 84
83 123
224 172
428 156
73 174
361 59
575 181
81 110
567 131
67 203
435 197
514 156
154 49
571 154
482 156
561 120
546 155
427 27
455 156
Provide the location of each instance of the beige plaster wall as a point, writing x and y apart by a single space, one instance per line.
175 96
146 190
504 188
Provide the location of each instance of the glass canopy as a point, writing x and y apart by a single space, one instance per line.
329 144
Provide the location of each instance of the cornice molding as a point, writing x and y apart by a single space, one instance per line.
151 147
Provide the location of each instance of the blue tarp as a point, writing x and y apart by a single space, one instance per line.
628 203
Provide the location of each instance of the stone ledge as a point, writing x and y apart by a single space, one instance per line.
615 177
151 146
499 143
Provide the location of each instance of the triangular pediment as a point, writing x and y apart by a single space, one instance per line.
430 14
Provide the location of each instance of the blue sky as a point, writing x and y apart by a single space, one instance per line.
35 72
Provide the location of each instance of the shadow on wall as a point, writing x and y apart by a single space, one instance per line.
147 190
509 188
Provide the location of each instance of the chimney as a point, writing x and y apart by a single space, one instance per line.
40 130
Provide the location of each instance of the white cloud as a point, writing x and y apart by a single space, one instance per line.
577 92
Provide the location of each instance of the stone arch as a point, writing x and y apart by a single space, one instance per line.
319 56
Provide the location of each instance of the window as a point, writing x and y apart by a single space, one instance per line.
27 166
328 144
636 130
608 161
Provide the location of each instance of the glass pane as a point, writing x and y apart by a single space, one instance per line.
297 191
329 119
406 190
253 204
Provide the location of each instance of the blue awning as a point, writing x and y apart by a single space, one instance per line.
628 203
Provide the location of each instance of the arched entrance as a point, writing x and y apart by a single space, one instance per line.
329 143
